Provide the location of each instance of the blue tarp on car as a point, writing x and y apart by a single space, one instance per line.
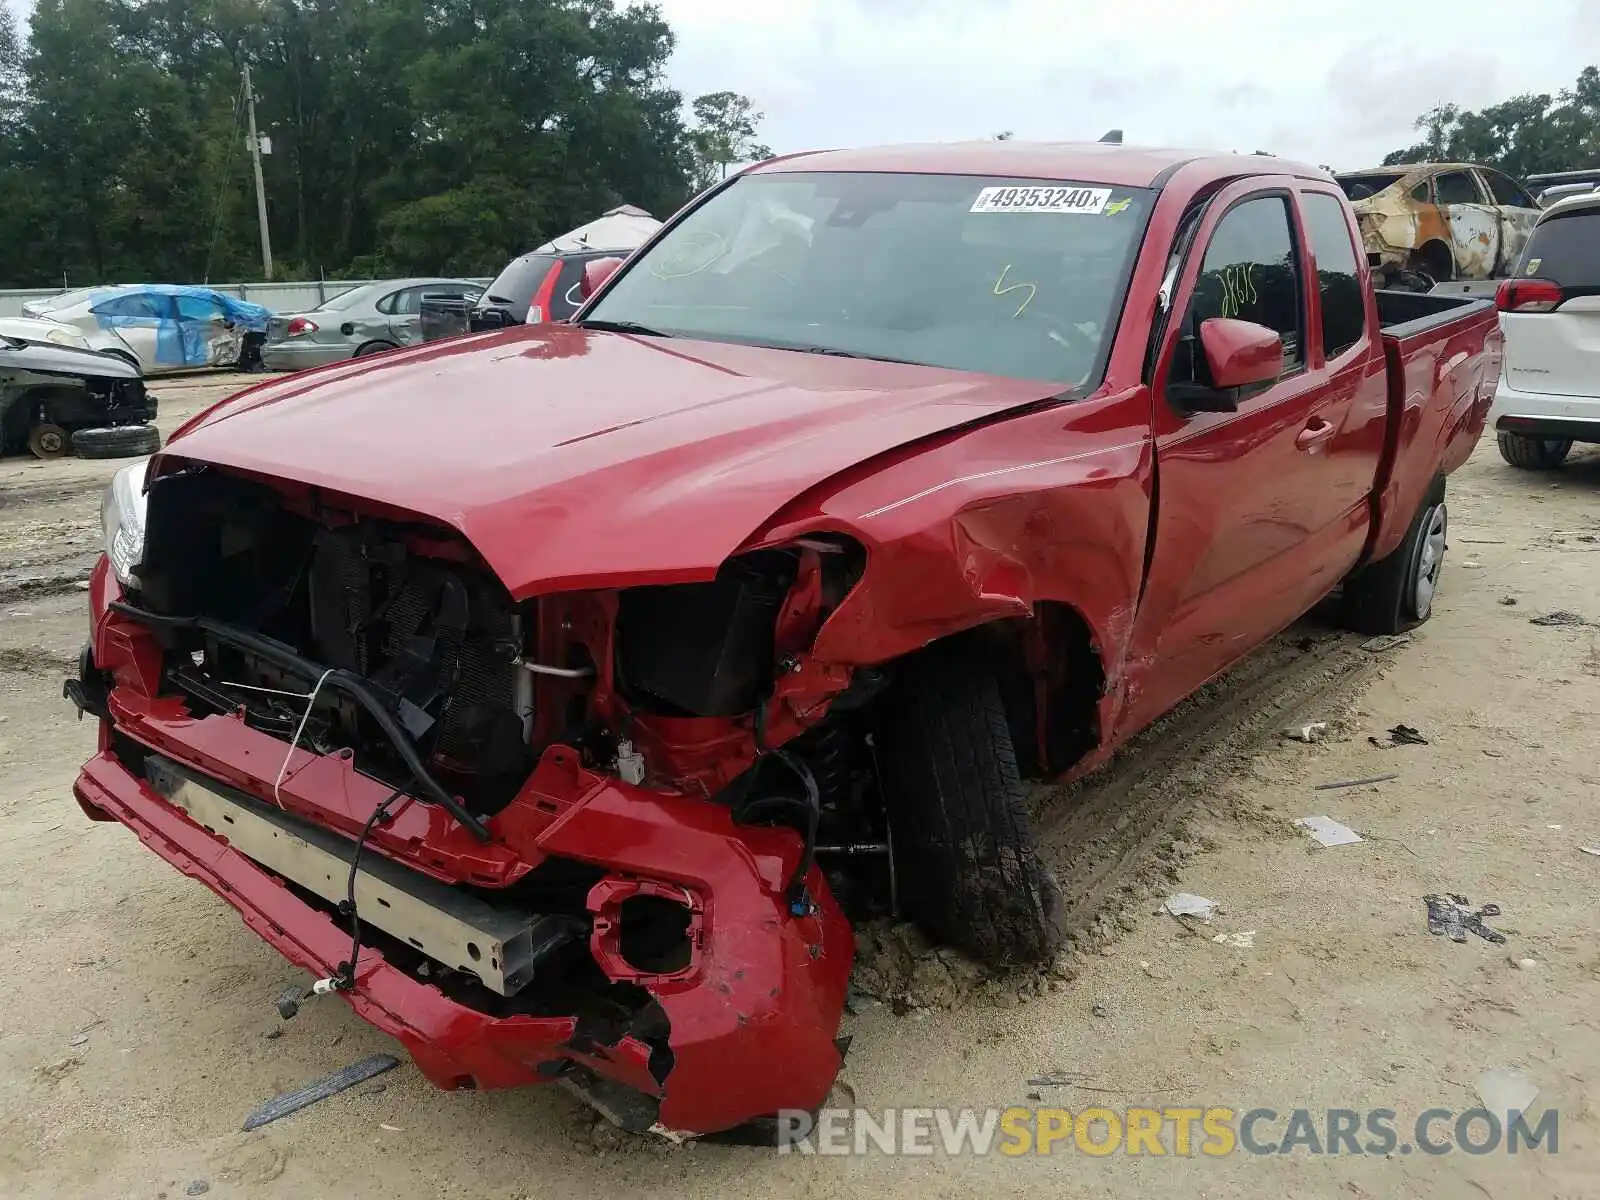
182 315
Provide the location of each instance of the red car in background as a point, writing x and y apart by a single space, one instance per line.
875 484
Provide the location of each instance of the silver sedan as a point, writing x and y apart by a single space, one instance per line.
365 320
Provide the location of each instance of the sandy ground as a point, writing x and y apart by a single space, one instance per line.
135 1007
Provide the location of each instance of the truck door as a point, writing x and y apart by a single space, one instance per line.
1246 536
1472 223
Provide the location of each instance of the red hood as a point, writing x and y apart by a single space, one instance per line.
573 459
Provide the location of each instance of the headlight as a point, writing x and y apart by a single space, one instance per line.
122 517
67 337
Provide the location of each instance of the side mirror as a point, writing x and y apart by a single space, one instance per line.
1238 354
595 272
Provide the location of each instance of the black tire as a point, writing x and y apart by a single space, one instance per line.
1384 597
372 348
969 870
1533 453
121 441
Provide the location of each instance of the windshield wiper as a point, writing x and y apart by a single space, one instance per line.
605 326
835 352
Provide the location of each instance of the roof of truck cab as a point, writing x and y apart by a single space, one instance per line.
1089 162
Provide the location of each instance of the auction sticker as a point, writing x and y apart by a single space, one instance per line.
1041 200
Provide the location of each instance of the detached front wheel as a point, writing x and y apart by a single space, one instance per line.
1396 592
968 866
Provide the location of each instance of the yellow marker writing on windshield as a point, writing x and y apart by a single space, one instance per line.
1033 290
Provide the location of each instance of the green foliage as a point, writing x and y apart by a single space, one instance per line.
724 133
407 135
1525 135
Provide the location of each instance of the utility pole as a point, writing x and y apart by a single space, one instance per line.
261 189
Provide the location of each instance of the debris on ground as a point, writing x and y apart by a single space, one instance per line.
1594 850
331 1085
1504 1090
1509 601
1186 904
857 1002
77 1039
1325 831
1400 735
197 1187
1100 1009
1350 783
1312 731
1239 941
1454 915
1560 617
1388 641
1524 964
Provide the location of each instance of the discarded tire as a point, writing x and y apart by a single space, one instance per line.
122 441
1533 453
969 870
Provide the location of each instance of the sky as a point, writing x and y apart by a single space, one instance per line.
1335 82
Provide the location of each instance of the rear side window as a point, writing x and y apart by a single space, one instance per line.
1250 273
1565 248
145 305
1360 187
1456 187
1344 310
1506 190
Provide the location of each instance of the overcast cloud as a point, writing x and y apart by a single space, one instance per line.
1326 81
1330 81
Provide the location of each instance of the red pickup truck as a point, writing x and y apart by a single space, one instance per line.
559 696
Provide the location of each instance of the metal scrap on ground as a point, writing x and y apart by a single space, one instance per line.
1349 783
1454 915
330 1085
1325 831
1186 904
1559 618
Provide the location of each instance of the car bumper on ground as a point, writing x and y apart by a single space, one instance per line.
751 1021
1543 414
287 357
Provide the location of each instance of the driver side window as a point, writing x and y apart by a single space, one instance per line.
1251 272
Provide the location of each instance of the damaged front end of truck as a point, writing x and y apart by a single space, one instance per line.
602 837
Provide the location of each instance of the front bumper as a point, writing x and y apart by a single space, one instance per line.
1545 414
751 1020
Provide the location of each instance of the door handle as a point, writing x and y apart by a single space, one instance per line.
1316 432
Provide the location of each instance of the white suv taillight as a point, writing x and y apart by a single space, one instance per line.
1528 295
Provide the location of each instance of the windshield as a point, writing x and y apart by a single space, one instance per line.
1006 277
1359 187
345 300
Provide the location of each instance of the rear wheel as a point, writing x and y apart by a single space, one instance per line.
122 441
47 440
969 870
1396 593
374 348
1533 453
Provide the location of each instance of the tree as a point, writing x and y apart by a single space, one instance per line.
724 133
408 135
1524 135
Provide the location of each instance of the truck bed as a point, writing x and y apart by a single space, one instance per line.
1442 355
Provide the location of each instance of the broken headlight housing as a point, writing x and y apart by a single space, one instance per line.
122 514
